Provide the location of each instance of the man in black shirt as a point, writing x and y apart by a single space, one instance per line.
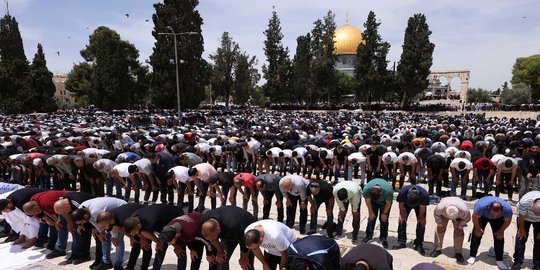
221 183
531 170
146 221
436 168
313 163
369 255
340 162
227 224
374 161
268 186
80 248
113 221
319 192
162 163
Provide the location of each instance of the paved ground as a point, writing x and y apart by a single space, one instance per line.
403 259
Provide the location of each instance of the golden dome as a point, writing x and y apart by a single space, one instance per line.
347 38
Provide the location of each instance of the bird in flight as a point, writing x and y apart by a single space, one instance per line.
69 37
146 20
127 15
58 53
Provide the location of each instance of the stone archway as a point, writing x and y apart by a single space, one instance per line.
463 75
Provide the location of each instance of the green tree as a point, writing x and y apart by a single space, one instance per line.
323 60
182 17
42 83
223 68
478 95
346 85
276 58
246 77
370 70
519 94
416 59
527 70
79 82
16 93
302 85
115 60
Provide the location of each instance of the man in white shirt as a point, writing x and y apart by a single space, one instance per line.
460 169
179 177
407 164
146 175
274 237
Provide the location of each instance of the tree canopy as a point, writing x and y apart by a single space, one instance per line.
527 70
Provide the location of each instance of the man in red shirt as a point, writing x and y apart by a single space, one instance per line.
483 172
41 206
248 181
186 231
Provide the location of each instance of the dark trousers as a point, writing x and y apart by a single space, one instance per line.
495 224
137 190
505 183
134 255
519 253
229 248
291 212
167 192
149 192
269 194
203 186
160 255
213 199
434 183
378 209
80 246
272 260
183 190
195 264
355 222
420 229
329 218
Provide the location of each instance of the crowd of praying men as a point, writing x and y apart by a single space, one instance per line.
83 174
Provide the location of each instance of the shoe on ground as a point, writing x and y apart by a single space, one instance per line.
55 254
118 267
459 258
310 232
399 246
365 240
95 263
420 250
435 253
502 265
82 260
471 260
302 231
103 266
71 259
516 266
385 244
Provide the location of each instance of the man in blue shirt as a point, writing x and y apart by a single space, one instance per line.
410 198
498 214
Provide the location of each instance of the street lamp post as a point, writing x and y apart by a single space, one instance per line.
176 64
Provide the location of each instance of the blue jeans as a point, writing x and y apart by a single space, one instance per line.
106 248
137 190
58 239
110 185
519 253
378 209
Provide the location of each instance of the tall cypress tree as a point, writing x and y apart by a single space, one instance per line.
416 59
370 71
301 75
182 17
223 69
42 83
15 81
246 77
276 58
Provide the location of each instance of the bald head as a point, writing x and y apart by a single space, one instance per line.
31 208
211 229
536 207
287 184
62 207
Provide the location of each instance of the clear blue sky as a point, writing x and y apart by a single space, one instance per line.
484 36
